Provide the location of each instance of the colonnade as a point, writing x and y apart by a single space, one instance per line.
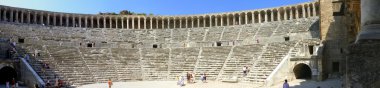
18 15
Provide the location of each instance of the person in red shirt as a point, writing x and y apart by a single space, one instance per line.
13 83
109 83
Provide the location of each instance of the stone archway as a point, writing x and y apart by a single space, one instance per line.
302 71
7 74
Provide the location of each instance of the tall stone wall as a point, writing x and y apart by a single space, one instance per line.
363 66
29 16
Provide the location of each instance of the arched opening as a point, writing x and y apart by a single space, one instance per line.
302 71
201 22
7 74
249 17
262 16
207 21
243 17
189 20
213 21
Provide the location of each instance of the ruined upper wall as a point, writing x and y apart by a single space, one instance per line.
29 16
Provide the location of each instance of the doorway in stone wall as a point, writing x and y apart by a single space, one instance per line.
7 74
302 71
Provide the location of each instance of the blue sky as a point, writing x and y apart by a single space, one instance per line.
157 7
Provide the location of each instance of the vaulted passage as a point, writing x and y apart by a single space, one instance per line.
7 74
302 71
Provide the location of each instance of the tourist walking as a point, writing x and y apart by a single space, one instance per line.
188 77
286 85
204 78
7 84
13 83
181 81
193 77
109 83
245 71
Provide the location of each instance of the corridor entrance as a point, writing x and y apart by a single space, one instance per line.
7 74
302 71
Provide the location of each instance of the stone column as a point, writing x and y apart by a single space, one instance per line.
133 23
28 18
216 21
174 23
278 15
204 21
180 22
54 19
162 23
313 10
259 15
122 22
138 23
86 21
272 16
186 26
228 20
291 14
5 15
61 20
151 22
265 17
285 14
233 20
22 17
168 23
297 14
117 21
157 23
370 20
144 22
17 20
104 21
98 21
42 18
192 23
246 18
80 21
92 22
48 19
239 19
199 22
127 22
67 20
221 20
111 19
253 18
1 14
11 15
308 11
74 23
303 11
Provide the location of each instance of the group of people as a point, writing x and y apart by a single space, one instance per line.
44 67
190 76
245 70
57 84
14 84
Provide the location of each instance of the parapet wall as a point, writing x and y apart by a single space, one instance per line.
29 16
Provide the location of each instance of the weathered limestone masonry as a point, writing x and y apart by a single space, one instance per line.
99 47
29 16
363 57
363 66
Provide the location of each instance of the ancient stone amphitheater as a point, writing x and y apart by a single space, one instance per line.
85 49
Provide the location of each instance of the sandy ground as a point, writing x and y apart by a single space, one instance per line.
299 83
169 84
302 83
